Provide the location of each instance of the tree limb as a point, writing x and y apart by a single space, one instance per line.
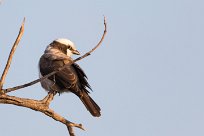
39 105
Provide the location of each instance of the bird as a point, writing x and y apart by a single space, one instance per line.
71 79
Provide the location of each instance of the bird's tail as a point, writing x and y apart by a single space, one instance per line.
90 104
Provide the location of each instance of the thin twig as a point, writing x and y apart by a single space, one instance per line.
99 43
54 72
11 55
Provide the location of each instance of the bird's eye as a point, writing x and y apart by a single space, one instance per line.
69 47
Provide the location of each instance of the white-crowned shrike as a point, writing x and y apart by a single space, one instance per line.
71 79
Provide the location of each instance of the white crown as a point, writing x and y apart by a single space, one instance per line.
65 41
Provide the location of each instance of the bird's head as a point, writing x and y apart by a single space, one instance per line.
65 45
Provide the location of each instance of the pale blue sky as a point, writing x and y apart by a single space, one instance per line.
148 75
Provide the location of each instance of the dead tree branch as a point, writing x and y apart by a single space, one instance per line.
41 106
38 105
11 55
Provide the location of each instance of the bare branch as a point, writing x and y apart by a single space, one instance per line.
54 72
39 105
11 55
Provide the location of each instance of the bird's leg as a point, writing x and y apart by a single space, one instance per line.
54 81
48 98
53 87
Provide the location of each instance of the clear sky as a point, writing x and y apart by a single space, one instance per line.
148 75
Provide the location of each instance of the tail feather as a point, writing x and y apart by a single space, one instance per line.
90 104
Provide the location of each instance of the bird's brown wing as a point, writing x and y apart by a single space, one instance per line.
72 77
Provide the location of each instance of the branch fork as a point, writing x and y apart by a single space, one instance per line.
38 105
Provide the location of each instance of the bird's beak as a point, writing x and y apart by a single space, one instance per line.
76 52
